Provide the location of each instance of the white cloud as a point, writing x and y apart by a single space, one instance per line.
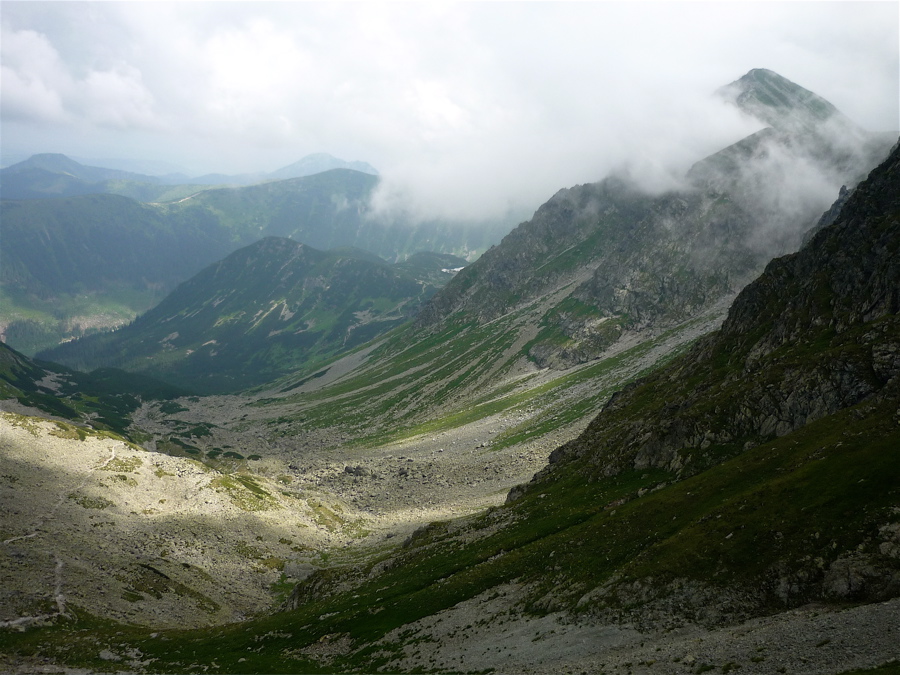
33 77
118 98
28 98
38 86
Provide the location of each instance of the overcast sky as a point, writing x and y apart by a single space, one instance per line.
465 108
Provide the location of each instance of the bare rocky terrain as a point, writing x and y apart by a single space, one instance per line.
487 632
143 537
165 541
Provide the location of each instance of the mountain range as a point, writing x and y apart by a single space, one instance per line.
74 265
55 175
615 258
596 263
624 439
308 166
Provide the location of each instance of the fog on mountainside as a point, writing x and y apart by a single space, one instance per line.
794 168
620 258
716 226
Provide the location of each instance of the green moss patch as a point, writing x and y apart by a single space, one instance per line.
245 492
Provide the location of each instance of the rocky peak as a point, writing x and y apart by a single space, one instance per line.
807 150
776 101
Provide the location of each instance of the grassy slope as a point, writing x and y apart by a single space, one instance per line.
93 261
265 310
103 399
109 257
419 381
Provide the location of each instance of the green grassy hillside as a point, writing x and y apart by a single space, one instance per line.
102 400
263 311
74 265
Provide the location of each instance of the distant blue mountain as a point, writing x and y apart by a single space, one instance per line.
317 163
56 175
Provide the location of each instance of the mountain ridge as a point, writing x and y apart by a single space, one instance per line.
62 164
260 312
56 284
633 260
56 175
799 302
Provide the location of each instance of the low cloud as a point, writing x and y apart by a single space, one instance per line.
516 163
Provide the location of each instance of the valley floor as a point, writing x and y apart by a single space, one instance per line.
90 529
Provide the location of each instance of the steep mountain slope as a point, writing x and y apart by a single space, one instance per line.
601 276
817 333
622 259
85 244
263 311
76 264
102 400
320 210
331 209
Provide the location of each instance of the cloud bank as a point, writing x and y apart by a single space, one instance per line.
467 109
